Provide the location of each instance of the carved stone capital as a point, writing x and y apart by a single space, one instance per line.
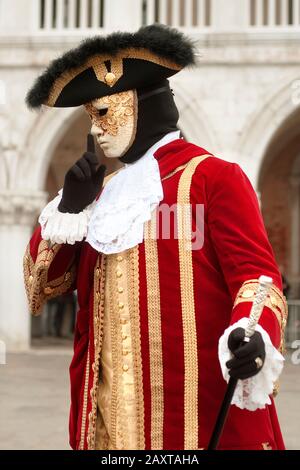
21 207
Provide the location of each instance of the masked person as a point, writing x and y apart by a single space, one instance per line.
153 303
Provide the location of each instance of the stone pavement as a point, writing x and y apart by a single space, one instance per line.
34 397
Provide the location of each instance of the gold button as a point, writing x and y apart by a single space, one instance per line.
247 293
124 337
119 273
123 321
48 290
30 279
110 78
125 368
98 272
125 352
120 258
120 290
274 301
120 305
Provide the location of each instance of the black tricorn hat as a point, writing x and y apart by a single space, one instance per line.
104 65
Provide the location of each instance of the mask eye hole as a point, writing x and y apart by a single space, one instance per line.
102 112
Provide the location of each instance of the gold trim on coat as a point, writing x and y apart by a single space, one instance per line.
116 341
275 301
182 167
134 310
155 335
98 314
37 286
184 223
85 401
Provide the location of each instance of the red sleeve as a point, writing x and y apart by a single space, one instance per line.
242 246
49 270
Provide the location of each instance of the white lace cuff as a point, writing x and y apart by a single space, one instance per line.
252 393
59 227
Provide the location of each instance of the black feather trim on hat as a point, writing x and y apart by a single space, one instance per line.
162 42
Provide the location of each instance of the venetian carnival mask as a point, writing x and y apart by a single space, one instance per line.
114 122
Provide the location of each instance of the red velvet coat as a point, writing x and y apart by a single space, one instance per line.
235 250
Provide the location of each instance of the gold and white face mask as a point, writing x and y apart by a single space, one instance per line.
114 120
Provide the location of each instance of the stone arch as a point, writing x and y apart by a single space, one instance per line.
258 135
278 181
42 140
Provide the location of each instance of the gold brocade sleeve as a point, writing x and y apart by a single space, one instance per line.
38 288
276 301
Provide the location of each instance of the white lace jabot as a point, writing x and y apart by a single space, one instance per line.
116 221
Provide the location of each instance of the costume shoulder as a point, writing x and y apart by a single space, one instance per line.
214 166
219 179
216 170
179 153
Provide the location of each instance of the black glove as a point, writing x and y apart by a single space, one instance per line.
243 365
83 181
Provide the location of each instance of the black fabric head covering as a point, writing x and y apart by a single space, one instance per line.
104 65
157 116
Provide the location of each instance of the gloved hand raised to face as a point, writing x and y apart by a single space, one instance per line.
83 181
248 357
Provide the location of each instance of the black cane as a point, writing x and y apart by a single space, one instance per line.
222 416
263 288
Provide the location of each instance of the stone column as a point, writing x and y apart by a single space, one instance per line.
21 16
18 214
123 15
230 15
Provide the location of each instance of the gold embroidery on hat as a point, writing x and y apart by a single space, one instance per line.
97 62
99 68
103 74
